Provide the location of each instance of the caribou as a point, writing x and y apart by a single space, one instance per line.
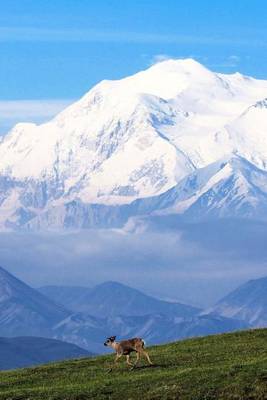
126 347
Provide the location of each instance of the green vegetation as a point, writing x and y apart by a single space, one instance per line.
230 366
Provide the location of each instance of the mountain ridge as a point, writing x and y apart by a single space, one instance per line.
113 298
247 303
24 310
21 352
107 309
126 140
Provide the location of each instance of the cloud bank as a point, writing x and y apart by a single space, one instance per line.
38 34
193 263
38 111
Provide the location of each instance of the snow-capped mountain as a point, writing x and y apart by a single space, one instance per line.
134 139
229 187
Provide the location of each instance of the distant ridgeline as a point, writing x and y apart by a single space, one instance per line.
89 315
18 352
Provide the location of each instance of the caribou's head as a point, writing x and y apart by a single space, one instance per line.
110 340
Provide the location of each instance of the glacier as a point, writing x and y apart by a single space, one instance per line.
176 138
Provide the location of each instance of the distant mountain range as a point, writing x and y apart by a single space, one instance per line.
112 298
86 316
247 303
67 295
18 352
176 138
24 310
85 330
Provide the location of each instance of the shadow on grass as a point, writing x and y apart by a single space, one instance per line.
140 368
137 368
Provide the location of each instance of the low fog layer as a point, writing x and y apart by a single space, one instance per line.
192 263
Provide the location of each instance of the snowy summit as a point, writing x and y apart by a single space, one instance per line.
175 138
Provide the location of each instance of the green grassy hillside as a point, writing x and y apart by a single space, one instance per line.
230 366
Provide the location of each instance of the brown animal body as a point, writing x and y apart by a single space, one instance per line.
126 347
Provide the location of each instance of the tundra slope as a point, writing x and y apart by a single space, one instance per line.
134 139
224 367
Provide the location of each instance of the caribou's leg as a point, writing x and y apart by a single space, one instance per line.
145 353
137 359
128 360
118 356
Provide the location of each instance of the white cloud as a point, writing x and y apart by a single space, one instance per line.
38 111
234 59
33 34
230 61
194 263
31 108
159 58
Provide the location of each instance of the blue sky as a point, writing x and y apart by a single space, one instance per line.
53 51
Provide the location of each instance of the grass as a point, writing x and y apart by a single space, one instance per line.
230 366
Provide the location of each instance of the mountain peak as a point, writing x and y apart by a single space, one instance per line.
9 283
113 299
151 130
188 65
248 302
111 287
25 308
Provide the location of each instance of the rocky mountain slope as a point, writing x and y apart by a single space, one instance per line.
25 311
87 331
247 303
